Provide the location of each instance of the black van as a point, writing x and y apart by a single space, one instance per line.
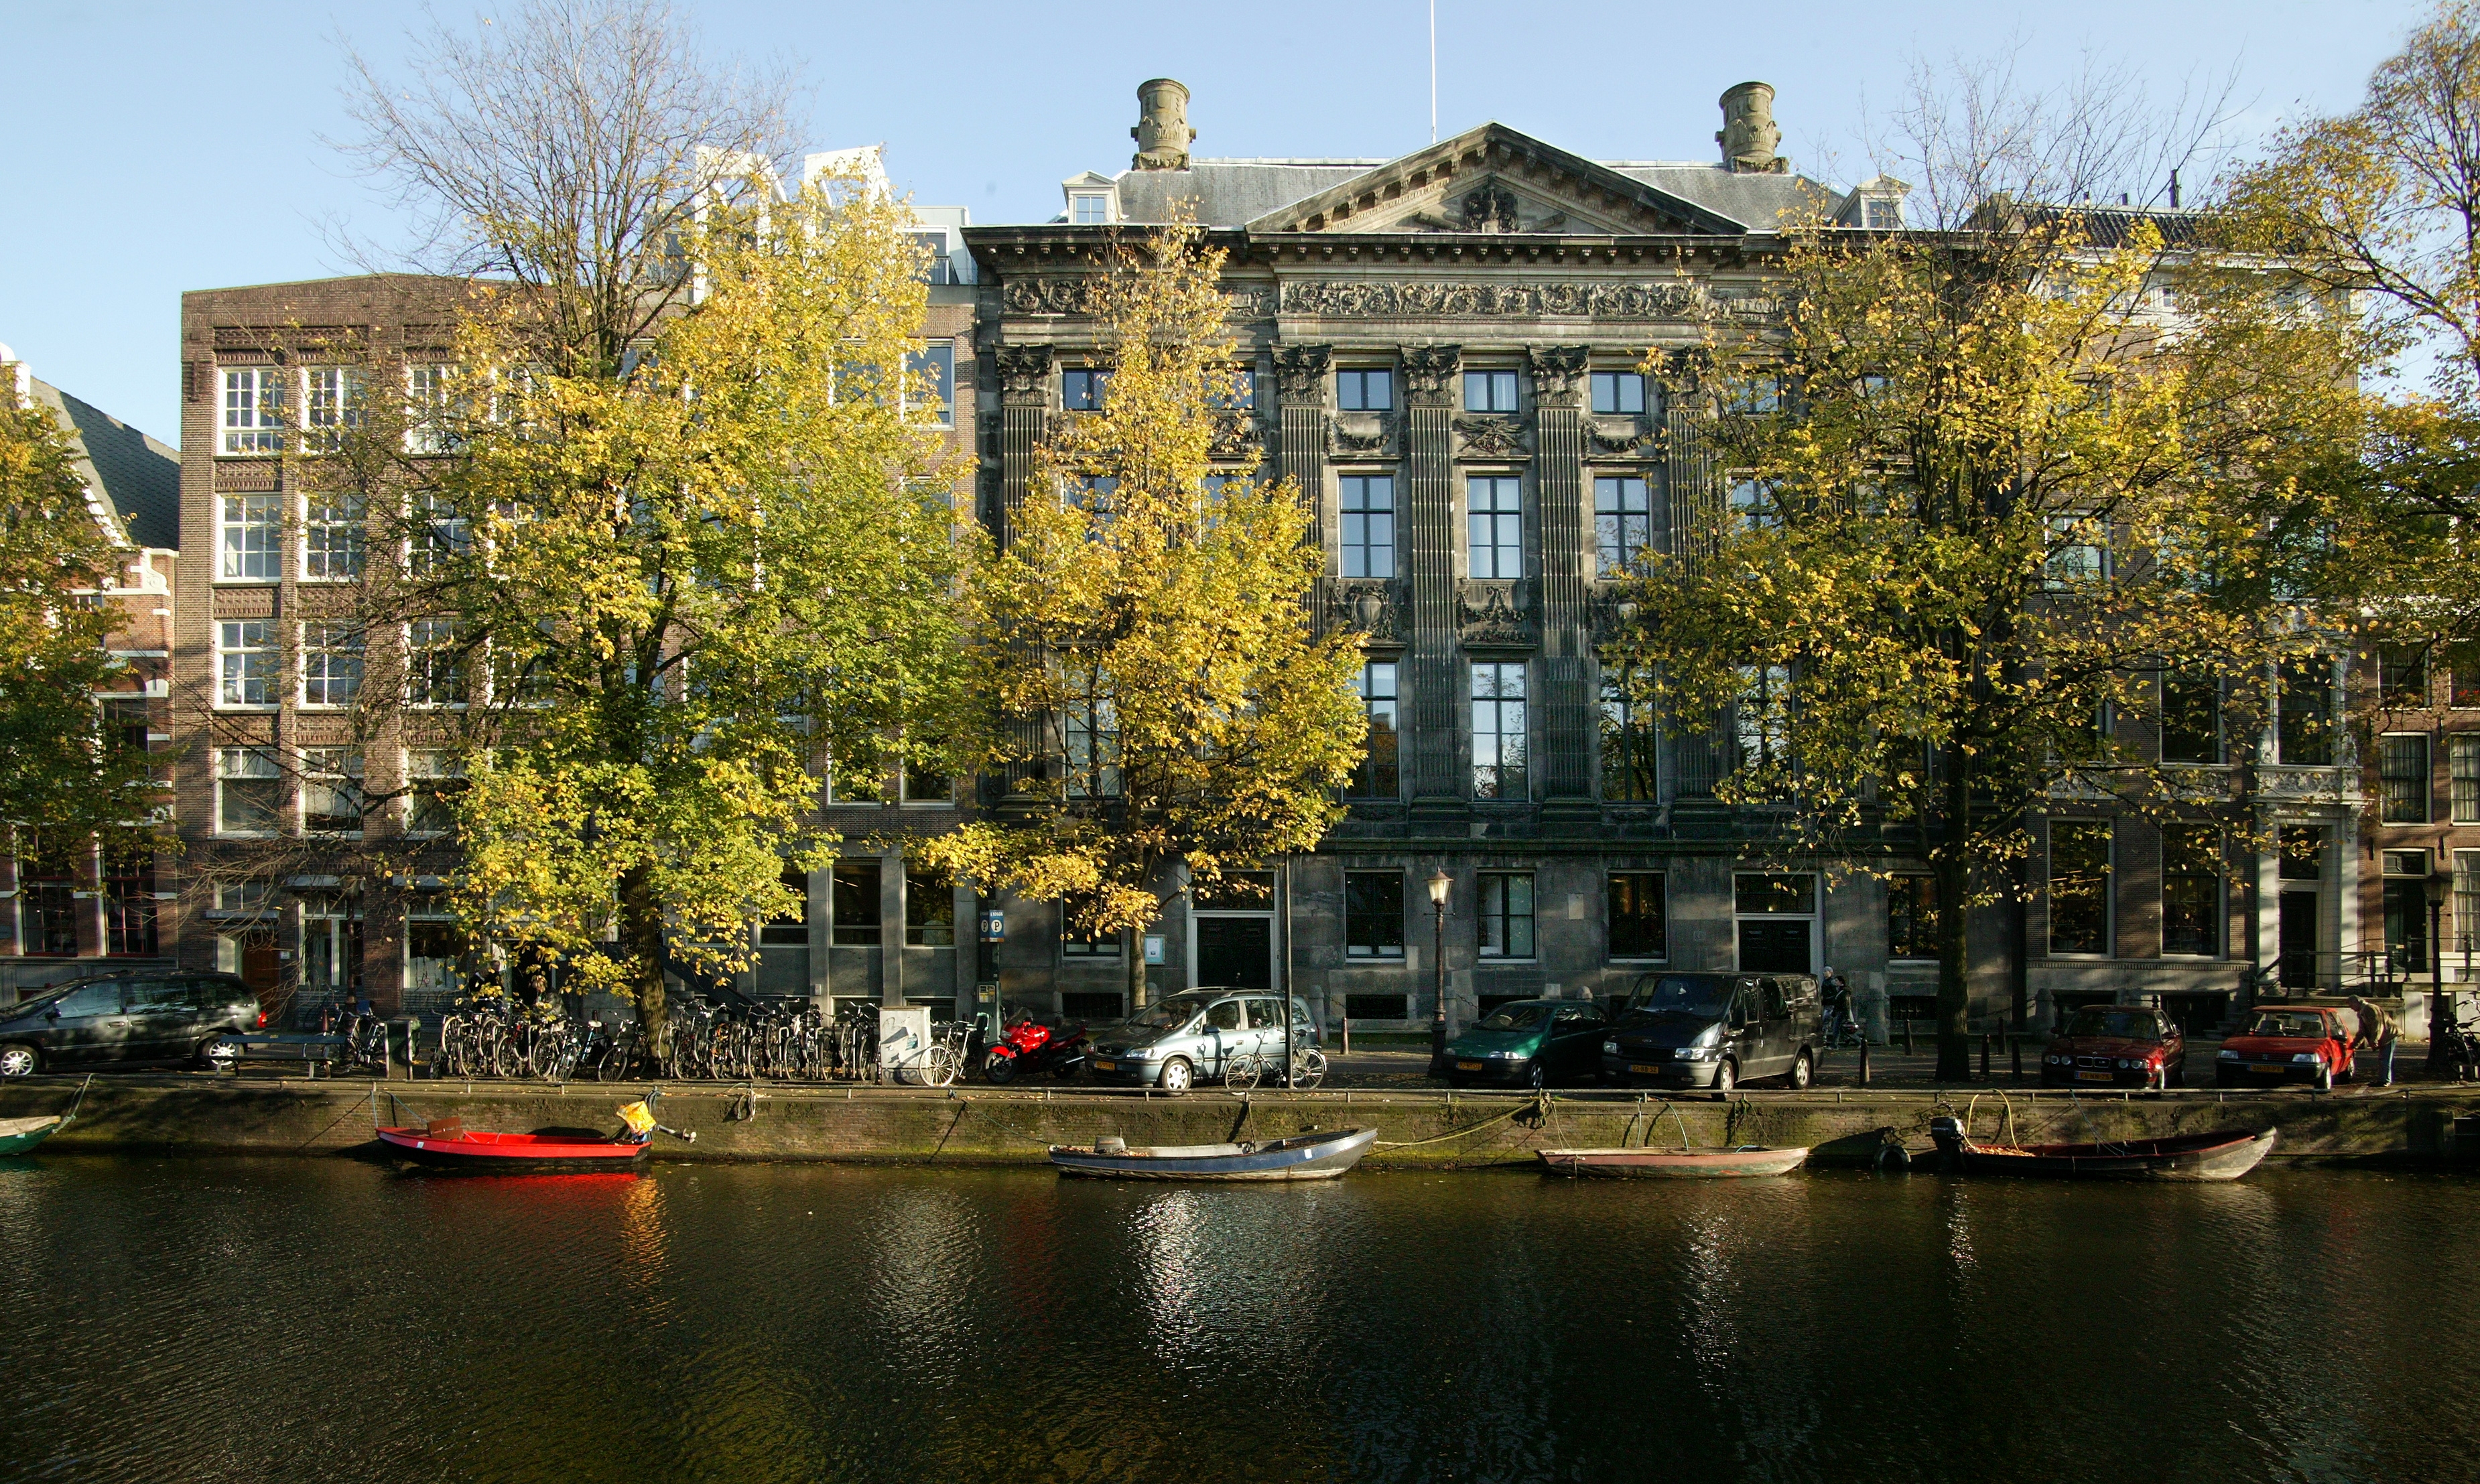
1716 1031
126 1019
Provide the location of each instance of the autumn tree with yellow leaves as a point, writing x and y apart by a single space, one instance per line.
1166 711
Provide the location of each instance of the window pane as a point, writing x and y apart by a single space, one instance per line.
331 664
1498 730
1619 392
1494 512
2462 763
1368 509
1911 917
252 532
856 920
2304 735
1506 908
1628 742
2192 891
929 908
249 791
1378 777
1373 914
2078 891
2402 676
934 368
1489 391
2191 718
246 664
1640 915
1365 390
2402 778
1622 523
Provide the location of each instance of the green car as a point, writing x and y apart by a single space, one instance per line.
1529 1044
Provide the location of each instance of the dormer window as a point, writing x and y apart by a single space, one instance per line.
1092 200
1875 204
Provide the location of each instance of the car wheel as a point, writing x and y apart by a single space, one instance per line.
18 1060
1177 1076
1540 1077
218 1051
1802 1072
1726 1076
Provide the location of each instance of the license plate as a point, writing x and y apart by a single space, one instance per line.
1640 1067
1106 1066
2092 1076
1467 1066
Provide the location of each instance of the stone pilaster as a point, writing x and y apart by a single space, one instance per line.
1025 417
1300 391
1567 710
1429 560
1697 761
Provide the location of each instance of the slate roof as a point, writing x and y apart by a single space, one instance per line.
1234 193
139 477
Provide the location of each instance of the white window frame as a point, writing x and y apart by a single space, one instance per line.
1620 515
1346 547
232 644
422 638
944 413
244 540
426 401
1532 917
229 759
1473 548
351 527
322 768
332 403
1097 201
326 638
426 764
251 419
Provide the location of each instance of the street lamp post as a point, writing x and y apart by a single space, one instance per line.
2441 1008
1441 885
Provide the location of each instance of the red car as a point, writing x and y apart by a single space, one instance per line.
2116 1045
2287 1043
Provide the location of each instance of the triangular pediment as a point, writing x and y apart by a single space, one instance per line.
1496 181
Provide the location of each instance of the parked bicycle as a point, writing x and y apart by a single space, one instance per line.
1246 1070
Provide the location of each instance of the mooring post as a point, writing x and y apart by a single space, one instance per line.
1907 1035
1864 1060
1984 1056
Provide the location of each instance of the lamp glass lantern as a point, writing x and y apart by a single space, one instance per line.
1441 885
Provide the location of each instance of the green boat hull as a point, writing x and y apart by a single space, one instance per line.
19 1135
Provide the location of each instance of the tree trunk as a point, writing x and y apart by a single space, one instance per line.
641 936
1136 954
1951 864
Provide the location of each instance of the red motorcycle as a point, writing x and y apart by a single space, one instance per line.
1029 1048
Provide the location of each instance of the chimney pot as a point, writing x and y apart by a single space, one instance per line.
1748 135
1162 132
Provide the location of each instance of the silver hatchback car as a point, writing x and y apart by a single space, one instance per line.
1178 1040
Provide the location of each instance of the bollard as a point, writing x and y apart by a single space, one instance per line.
1864 1062
1907 1035
1984 1056
2015 1056
1346 1036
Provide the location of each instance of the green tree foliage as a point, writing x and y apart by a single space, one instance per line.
1985 539
67 778
2383 202
1154 616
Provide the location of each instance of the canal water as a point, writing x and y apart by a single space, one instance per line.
300 1320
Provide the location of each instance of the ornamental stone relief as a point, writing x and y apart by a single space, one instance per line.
1024 374
1368 607
1077 295
1492 437
1623 441
1356 298
1430 372
1495 614
1237 433
1300 373
1362 433
1559 373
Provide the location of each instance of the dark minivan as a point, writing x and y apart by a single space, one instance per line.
126 1019
1716 1031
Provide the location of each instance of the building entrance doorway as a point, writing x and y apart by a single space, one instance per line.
2297 967
1234 951
1778 923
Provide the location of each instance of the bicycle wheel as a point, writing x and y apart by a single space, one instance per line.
939 1067
1308 1068
1241 1073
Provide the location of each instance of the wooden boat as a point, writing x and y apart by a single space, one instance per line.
1748 1161
20 1135
2225 1154
1301 1157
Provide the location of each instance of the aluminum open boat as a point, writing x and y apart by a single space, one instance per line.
1748 1161
1301 1157
2225 1154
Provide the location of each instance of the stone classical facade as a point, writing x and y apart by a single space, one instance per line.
1447 350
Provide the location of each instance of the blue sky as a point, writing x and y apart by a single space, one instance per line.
164 147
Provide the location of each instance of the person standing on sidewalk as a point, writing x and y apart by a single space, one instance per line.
2376 1029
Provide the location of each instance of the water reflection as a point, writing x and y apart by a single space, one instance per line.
796 1323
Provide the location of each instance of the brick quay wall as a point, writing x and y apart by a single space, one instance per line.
201 1114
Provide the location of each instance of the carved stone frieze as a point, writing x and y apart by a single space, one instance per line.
1609 611
1075 295
1024 375
1363 433
1623 440
1428 370
1559 374
1358 298
1300 373
1492 437
1369 607
1238 432
1495 614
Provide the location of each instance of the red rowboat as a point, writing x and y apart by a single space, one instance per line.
447 1145
528 1152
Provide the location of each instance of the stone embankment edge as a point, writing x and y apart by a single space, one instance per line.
1015 1126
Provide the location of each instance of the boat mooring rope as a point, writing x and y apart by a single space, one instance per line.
1540 1106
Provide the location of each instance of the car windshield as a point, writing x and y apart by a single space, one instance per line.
1166 1015
1516 1017
38 1001
1703 997
2288 1023
2123 1024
